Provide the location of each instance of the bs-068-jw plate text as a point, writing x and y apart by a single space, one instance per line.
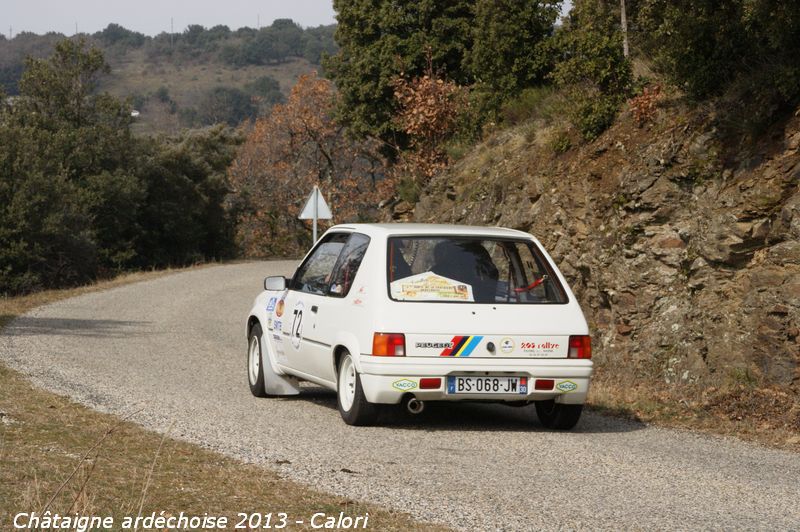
457 384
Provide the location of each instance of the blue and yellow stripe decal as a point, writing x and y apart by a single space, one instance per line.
463 346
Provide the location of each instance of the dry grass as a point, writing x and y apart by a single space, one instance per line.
766 416
59 455
133 74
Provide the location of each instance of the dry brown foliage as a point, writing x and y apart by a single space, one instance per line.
645 105
429 110
297 146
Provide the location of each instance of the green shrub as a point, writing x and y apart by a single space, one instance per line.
408 190
531 104
560 142
457 149
592 113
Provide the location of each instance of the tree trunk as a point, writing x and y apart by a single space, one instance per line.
624 22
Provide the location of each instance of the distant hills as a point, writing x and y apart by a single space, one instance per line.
194 78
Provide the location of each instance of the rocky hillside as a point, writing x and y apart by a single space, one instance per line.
683 247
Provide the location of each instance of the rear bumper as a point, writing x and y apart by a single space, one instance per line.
388 379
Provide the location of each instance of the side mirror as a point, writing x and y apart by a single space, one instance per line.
275 283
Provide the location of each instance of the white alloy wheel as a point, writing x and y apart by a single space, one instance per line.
353 405
347 385
254 360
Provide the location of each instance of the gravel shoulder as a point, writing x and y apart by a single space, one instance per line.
173 350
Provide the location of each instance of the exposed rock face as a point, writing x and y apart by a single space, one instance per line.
688 267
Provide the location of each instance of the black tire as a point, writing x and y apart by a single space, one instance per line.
255 366
558 416
359 412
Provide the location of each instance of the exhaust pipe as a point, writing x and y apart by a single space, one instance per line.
415 406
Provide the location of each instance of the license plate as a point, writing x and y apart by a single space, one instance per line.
487 385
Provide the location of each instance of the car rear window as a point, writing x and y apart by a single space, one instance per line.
470 270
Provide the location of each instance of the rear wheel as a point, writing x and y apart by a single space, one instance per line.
558 416
255 363
353 405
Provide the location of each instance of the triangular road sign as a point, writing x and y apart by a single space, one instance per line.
323 212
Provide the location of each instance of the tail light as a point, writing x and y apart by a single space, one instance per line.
580 347
430 383
389 345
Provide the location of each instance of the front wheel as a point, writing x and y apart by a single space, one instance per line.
255 363
558 416
353 405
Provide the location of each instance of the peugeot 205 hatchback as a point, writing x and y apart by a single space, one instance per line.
412 313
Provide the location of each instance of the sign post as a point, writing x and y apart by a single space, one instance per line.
315 209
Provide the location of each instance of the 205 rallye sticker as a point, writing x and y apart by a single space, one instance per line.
477 345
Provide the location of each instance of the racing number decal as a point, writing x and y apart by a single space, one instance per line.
297 325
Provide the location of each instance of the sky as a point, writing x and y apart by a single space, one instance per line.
151 17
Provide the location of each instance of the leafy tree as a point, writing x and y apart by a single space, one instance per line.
219 32
182 218
286 153
591 66
80 196
266 90
114 34
773 28
288 36
61 137
319 43
9 77
707 47
698 44
382 39
226 105
263 49
506 55
245 31
86 131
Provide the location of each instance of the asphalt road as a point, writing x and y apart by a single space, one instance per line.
174 347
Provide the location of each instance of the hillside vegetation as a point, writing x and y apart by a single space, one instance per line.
197 77
686 263
667 188
664 181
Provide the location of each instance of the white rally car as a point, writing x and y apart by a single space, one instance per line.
390 313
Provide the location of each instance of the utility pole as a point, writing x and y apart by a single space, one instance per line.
258 21
624 22
76 28
171 30
10 33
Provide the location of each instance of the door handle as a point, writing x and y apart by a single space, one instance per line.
314 309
